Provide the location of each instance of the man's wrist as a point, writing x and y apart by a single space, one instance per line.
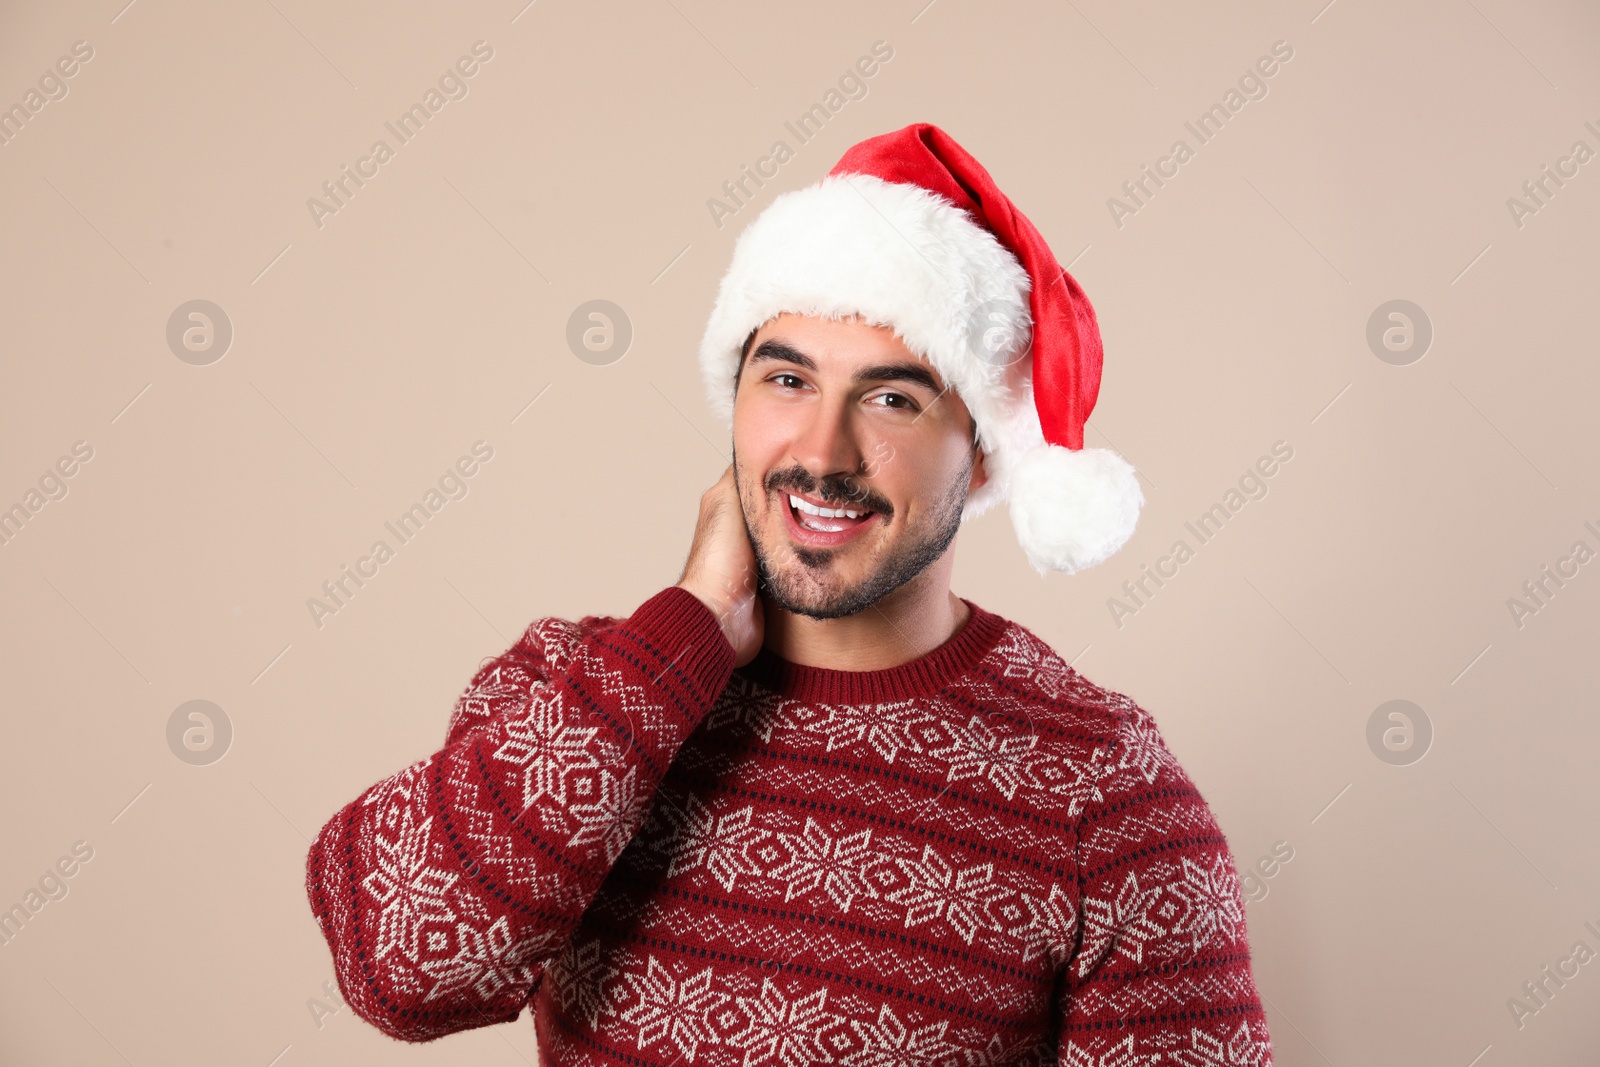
677 627
716 605
713 604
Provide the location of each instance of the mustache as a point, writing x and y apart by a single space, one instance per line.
835 490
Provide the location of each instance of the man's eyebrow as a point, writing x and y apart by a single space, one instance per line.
779 352
904 372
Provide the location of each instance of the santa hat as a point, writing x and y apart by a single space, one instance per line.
910 232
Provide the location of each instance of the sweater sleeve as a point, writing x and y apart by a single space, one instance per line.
1162 966
445 890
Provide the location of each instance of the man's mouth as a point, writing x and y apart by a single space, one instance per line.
824 519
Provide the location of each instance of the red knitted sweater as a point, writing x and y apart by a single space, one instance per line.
976 858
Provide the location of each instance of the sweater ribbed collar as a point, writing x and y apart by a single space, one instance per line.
921 677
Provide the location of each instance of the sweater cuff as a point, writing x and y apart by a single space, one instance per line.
689 639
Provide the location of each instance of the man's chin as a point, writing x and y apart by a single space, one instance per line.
816 596
818 606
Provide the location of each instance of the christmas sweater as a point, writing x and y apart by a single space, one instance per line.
976 858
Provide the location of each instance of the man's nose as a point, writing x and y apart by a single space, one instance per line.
826 444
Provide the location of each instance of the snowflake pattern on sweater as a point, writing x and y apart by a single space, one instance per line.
976 859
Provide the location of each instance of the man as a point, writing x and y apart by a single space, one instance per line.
807 805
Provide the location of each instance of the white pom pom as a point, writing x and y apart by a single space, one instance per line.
1072 508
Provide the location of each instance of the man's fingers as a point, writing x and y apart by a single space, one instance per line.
722 568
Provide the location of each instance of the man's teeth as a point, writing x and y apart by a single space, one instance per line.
826 513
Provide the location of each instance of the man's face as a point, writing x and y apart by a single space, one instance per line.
843 415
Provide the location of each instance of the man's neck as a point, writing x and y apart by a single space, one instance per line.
904 626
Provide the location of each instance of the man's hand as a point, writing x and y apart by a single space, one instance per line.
721 569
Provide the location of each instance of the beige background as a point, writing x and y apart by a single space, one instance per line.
371 352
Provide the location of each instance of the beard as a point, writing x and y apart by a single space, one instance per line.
802 580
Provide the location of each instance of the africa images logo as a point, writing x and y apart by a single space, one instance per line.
452 85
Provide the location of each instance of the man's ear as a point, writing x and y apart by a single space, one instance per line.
980 472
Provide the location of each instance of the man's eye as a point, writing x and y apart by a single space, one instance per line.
776 377
905 402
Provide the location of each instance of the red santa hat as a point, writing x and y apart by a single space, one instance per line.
910 232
